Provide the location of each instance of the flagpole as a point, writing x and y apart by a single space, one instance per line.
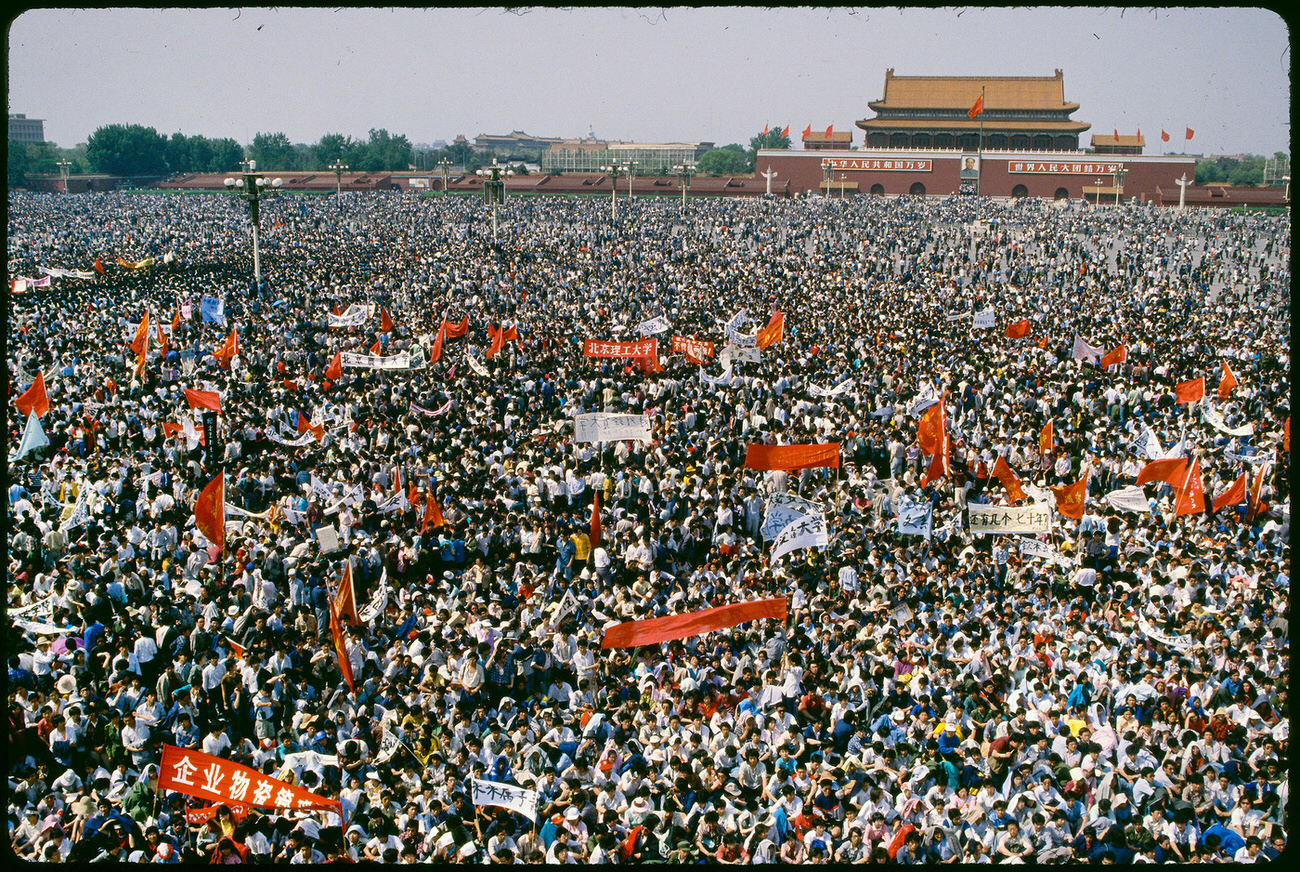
980 150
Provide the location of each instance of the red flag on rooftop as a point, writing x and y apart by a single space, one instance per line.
978 108
786 130
830 130
1163 135
765 130
807 131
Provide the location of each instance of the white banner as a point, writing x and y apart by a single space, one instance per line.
1214 418
742 340
782 510
1251 455
958 317
1148 444
56 273
378 601
983 320
724 380
568 606
375 361
388 743
840 388
1083 351
78 513
1180 643
915 517
355 316
1037 548
981 518
328 539
654 326
478 368
731 353
610 427
518 799
808 531
40 610
1129 499
278 438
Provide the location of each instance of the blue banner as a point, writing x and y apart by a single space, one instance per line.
213 309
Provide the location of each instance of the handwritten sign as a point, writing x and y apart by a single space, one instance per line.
981 518
610 427
518 799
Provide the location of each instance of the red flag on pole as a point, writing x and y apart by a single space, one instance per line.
930 429
376 348
1255 488
435 350
941 462
1168 470
765 130
790 457
432 514
99 267
210 511
978 108
807 131
1002 472
498 341
176 320
141 333
1163 135
1190 133
1045 445
1069 498
1115 356
1192 391
34 399
456 329
1018 330
1117 134
786 130
385 321
774 332
341 647
334 371
830 129
595 517
345 598
1191 496
203 399
1236 493
1227 382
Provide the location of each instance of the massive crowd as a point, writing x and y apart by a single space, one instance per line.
1117 695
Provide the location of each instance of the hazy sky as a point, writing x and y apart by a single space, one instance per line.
643 74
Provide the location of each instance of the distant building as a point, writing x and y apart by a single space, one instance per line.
1118 144
589 154
1021 113
817 140
28 131
514 142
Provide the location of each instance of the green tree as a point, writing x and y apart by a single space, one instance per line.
127 150
273 152
226 155
330 148
771 139
16 164
730 160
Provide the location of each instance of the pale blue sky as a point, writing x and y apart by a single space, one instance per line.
648 75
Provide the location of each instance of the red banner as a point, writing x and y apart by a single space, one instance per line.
601 348
203 399
226 782
456 329
773 333
633 633
696 349
34 399
792 456
1018 330
1192 391
1166 469
202 815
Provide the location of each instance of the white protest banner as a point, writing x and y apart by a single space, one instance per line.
78 513
375 361
378 601
737 320
312 761
1250 455
983 320
982 518
39 628
653 326
278 438
724 380
568 606
518 799
958 317
1180 643
213 309
1129 499
1083 351
41 610
808 531
388 744
610 427
783 509
355 316
413 409
731 353
925 398
478 368
1036 548
1214 418
840 388
1147 444
396 502
328 539
915 517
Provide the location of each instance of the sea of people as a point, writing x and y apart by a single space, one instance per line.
1113 691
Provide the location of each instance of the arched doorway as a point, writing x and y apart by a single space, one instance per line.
877 189
1061 194
1019 191
917 189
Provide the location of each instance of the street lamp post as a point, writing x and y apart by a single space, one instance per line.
631 171
843 176
1097 194
63 171
828 172
494 189
614 171
1119 182
684 173
251 185
339 168
445 165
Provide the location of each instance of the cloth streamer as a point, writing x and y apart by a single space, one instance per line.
633 633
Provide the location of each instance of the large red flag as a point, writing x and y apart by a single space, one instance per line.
1191 496
1114 357
1227 382
1045 443
774 331
498 341
99 267
595 517
345 598
34 400
341 648
978 108
203 399
941 462
790 457
1236 493
176 320
1192 391
830 130
1018 330
655 630
385 321
456 329
1002 472
1168 469
1069 498
334 371
141 332
376 348
210 511
786 130
931 427
432 514
228 349
1255 488
226 782
435 350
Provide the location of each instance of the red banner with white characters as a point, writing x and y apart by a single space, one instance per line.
696 349
203 815
226 782
602 348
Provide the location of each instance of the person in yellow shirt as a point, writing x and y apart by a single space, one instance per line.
581 546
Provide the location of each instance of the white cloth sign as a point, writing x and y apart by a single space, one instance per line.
1083 351
958 317
1180 643
1129 499
983 320
355 316
374 607
610 427
375 361
328 539
782 510
518 799
840 388
1214 418
478 368
807 531
654 326
1036 548
982 518
734 352
1147 444
915 517
723 380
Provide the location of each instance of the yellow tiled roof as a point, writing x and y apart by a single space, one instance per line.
973 124
948 92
